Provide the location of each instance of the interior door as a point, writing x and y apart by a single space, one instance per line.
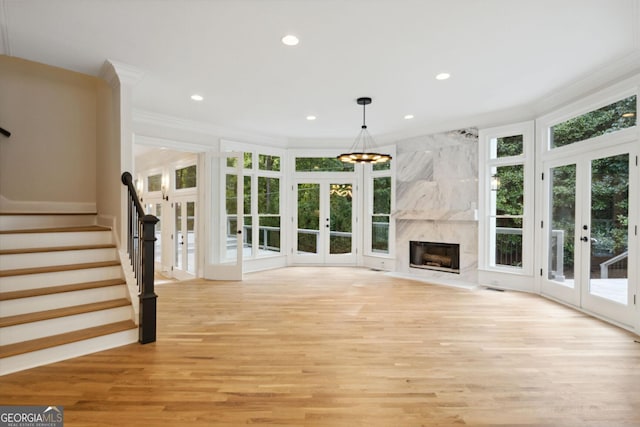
588 232
325 222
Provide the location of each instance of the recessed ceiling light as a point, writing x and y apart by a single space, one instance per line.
311 117
443 76
290 40
408 117
197 97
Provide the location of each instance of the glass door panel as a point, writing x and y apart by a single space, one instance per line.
560 241
609 228
179 236
340 218
190 241
308 230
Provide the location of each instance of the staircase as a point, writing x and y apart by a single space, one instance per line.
62 292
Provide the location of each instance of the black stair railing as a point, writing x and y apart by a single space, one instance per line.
140 246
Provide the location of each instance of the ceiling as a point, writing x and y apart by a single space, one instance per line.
504 56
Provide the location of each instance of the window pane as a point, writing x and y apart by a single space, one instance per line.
308 218
186 177
562 184
322 164
508 183
613 117
247 195
270 233
380 234
154 182
268 195
507 146
231 195
382 195
508 238
248 161
268 162
247 232
382 166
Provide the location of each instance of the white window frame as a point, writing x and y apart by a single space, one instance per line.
487 161
369 176
254 172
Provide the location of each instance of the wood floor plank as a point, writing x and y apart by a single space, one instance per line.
334 346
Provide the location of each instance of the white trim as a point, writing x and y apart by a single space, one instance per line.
5 45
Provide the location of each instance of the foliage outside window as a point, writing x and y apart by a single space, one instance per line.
322 164
506 218
269 213
611 118
261 203
308 217
154 182
267 162
247 163
186 177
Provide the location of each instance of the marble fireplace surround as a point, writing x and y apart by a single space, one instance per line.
436 201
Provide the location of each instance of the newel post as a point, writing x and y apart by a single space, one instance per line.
148 297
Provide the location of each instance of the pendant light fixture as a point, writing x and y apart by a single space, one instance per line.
360 150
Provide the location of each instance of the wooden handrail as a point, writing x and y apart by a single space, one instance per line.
140 247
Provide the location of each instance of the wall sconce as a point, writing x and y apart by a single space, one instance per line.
495 182
139 187
164 188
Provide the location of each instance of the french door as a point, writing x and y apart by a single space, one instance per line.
587 232
184 238
324 221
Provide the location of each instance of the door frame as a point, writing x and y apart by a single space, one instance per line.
580 296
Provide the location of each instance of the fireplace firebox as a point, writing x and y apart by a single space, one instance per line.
435 256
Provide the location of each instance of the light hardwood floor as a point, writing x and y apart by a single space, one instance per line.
349 347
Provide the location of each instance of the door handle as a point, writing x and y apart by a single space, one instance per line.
584 238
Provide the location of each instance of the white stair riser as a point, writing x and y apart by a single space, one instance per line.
33 281
61 325
44 259
66 299
67 351
26 222
47 240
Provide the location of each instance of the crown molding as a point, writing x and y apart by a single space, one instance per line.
180 124
598 79
117 73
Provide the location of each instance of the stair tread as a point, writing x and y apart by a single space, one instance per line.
55 249
4 296
66 338
58 229
62 312
57 268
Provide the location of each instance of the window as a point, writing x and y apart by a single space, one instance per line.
154 182
322 164
506 206
610 118
262 186
381 214
186 177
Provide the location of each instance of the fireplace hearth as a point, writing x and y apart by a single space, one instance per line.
435 256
